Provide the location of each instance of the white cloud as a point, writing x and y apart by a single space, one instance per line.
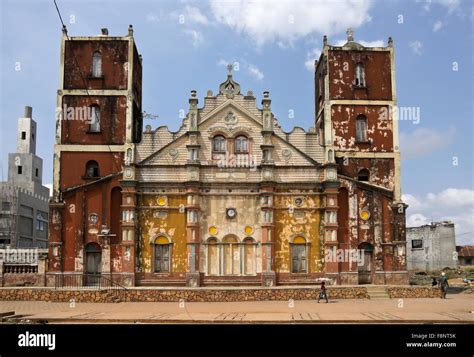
416 47
285 21
255 72
196 36
451 5
424 141
437 26
311 57
452 204
194 15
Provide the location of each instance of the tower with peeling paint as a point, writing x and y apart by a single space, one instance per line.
355 109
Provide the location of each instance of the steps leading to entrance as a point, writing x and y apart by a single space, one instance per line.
377 292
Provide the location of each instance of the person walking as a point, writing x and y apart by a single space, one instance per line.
322 293
443 285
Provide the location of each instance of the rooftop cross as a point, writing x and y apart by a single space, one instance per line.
229 68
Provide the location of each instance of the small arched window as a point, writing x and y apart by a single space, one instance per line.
218 144
96 65
361 129
94 119
92 169
360 75
363 175
241 145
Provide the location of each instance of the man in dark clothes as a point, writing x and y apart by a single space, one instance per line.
322 293
434 282
443 285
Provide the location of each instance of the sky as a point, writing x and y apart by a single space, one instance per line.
186 45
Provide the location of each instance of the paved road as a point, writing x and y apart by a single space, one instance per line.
457 308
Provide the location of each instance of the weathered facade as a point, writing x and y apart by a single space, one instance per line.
230 198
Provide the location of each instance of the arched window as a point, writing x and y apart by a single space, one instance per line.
231 256
162 255
212 257
96 65
249 256
363 175
361 129
241 145
299 255
218 144
360 75
94 119
92 169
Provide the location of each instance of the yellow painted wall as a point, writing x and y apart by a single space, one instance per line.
174 225
287 226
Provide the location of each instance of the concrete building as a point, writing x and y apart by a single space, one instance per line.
230 198
24 210
431 247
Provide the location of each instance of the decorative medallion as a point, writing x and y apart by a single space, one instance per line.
286 153
93 218
231 119
248 230
365 214
173 153
213 230
162 201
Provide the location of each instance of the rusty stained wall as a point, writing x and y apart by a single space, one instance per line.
288 226
379 128
73 166
75 128
382 171
114 64
342 65
78 230
151 226
376 230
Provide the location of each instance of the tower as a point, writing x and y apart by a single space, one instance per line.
98 123
355 109
24 199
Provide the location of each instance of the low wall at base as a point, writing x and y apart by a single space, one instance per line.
413 292
206 294
175 295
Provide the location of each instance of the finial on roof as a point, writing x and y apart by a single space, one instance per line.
130 30
64 30
230 67
325 40
350 34
390 42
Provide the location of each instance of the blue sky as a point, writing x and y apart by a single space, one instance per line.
185 44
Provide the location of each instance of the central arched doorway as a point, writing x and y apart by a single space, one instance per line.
93 263
364 267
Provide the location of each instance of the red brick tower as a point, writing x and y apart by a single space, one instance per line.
98 123
356 120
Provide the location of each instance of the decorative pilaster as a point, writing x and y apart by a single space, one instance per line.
128 231
268 235
329 224
192 235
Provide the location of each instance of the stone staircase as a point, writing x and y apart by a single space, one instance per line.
377 292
